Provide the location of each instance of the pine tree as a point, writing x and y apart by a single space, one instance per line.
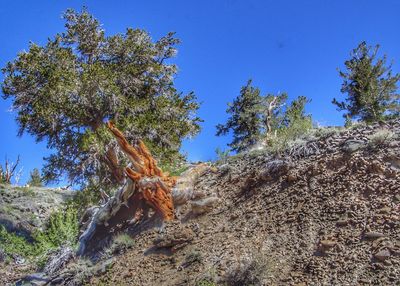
65 91
370 86
35 178
245 119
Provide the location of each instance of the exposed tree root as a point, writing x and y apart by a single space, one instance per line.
146 188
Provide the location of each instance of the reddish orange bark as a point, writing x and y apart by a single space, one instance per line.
154 186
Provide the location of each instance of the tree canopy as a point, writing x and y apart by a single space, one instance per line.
64 91
245 120
370 86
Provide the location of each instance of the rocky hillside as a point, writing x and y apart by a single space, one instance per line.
23 209
324 212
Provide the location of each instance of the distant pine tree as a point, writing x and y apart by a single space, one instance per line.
245 119
370 86
35 179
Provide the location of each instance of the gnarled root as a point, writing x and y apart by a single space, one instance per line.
146 187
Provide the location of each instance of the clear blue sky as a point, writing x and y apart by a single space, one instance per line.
293 46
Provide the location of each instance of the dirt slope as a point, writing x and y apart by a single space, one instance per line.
327 212
329 216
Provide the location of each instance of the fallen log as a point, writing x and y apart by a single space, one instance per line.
146 189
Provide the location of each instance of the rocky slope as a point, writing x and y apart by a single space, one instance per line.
326 212
326 215
23 209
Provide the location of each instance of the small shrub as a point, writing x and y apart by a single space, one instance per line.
174 169
35 178
325 132
250 272
62 228
380 138
222 155
120 243
285 136
193 257
14 244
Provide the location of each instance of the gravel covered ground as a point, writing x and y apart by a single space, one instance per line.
324 215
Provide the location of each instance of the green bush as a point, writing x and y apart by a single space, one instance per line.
287 135
62 228
11 243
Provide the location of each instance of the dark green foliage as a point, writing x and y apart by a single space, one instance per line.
65 90
370 86
11 243
62 228
245 119
294 119
35 179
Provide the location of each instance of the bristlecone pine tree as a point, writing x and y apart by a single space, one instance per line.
370 86
245 119
65 90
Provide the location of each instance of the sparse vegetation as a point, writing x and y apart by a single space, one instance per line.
380 138
193 257
249 272
174 169
121 243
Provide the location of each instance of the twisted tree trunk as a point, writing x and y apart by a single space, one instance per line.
146 188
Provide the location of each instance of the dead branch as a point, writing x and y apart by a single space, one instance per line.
9 171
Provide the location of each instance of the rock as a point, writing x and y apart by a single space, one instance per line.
382 255
342 222
353 145
373 235
204 205
328 243
36 279
176 240
275 169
